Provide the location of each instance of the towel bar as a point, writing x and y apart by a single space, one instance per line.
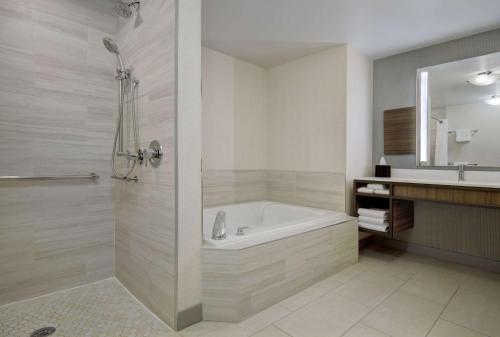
91 176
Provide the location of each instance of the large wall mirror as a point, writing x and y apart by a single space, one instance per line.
458 113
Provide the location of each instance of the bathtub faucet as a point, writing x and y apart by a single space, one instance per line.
219 230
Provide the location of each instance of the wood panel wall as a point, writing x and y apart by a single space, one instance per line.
400 131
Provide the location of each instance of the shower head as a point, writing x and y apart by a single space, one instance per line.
113 48
110 45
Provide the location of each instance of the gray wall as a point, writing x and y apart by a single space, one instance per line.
394 81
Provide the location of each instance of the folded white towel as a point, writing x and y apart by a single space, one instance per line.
378 228
381 192
365 190
463 135
376 186
373 212
373 221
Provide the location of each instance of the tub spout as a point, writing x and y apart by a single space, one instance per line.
219 230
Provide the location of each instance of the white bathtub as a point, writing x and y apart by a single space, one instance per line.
266 221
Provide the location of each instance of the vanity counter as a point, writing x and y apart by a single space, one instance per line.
448 183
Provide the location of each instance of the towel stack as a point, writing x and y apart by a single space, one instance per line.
373 219
374 189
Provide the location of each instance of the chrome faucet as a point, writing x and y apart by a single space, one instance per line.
219 229
461 172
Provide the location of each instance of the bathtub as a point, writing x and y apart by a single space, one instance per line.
265 221
285 249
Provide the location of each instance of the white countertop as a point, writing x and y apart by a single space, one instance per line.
482 184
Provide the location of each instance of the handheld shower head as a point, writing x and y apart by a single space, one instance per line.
110 45
113 48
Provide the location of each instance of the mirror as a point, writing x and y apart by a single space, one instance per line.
458 113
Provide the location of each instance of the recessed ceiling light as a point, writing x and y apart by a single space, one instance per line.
493 100
484 78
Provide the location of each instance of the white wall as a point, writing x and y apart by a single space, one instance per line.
484 147
359 122
234 113
307 104
189 222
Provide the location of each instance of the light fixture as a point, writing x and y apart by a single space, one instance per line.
424 116
493 100
483 78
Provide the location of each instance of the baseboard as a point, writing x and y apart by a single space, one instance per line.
189 317
440 254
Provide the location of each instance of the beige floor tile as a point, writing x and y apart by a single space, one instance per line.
271 331
203 328
448 329
369 288
228 331
404 315
330 315
361 330
435 289
386 267
348 273
264 318
306 296
477 309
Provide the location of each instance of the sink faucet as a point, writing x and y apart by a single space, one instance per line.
219 229
461 172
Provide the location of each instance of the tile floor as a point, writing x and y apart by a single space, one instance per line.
388 293
101 309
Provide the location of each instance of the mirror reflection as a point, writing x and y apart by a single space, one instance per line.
458 110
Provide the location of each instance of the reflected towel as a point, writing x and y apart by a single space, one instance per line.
373 212
441 149
382 192
373 221
365 190
463 135
378 228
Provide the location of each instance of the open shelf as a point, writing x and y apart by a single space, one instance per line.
400 211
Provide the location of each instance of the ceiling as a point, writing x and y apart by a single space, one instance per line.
270 32
448 82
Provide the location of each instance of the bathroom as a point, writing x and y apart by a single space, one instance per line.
205 168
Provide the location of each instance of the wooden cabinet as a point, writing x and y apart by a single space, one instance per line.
400 201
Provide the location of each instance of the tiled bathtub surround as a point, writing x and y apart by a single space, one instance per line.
238 283
145 211
312 189
222 187
57 100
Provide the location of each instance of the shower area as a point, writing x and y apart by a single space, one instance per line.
88 175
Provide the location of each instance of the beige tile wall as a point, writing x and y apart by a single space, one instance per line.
145 211
56 111
313 189
239 283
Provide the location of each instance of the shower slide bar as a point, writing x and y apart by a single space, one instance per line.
91 176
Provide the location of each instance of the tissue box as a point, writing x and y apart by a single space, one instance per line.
383 171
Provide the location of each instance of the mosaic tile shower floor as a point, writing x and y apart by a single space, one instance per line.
101 309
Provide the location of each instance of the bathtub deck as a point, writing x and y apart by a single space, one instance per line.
237 284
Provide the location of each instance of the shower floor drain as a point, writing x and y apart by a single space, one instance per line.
43 332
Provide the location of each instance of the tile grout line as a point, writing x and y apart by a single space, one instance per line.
442 311
463 326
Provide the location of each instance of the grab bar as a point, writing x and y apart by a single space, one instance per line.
91 176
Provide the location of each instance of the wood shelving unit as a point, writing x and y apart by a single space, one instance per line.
400 210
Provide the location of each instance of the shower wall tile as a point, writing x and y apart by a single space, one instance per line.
146 210
56 117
